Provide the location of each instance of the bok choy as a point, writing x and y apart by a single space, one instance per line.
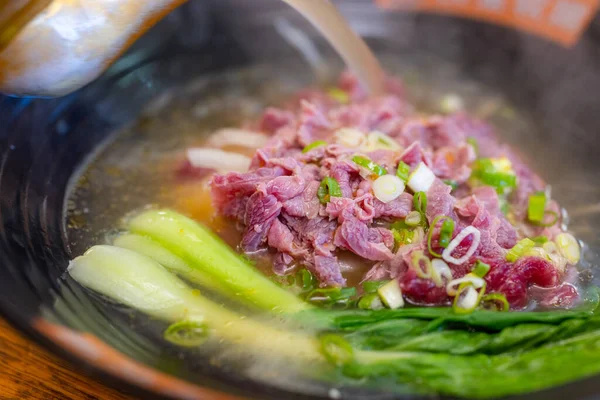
429 350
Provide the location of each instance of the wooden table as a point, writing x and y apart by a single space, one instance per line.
29 372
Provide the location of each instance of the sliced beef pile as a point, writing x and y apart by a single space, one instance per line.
277 205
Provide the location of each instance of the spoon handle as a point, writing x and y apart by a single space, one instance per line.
355 52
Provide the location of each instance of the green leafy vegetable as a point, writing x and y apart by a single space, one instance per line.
328 188
480 354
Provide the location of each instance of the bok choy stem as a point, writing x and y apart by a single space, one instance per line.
139 282
212 261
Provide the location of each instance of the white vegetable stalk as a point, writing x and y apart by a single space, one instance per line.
141 283
350 137
421 178
468 299
237 137
475 281
440 270
380 141
568 247
391 294
222 161
469 230
388 188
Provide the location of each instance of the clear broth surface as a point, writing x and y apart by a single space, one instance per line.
135 169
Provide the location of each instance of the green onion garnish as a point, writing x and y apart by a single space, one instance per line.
485 171
413 219
519 249
376 169
495 301
403 171
422 265
402 237
420 202
451 183
339 95
537 207
473 142
372 286
548 222
330 296
540 239
328 188
187 333
370 301
467 298
336 349
481 269
447 230
314 145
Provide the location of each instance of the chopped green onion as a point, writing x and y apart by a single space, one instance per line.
481 269
336 349
372 286
540 239
339 95
519 249
496 301
187 333
545 222
399 225
306 280
378 140
420 202
487 173
537 207
403 237
568 247
473 142
370 301
403 171
446 231
391 294
328 188
314 145
422 265
504 205
413 219
330 296
467 298
470 278
376 169
451 183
